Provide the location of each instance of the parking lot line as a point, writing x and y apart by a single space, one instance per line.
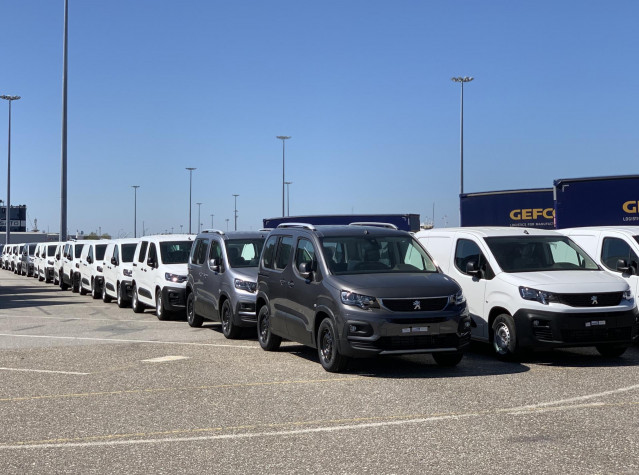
120 340
43 371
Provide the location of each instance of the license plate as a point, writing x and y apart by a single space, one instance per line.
415 330
596 323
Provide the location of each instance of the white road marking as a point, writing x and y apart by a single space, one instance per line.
43 371
112 320
119 340
164 359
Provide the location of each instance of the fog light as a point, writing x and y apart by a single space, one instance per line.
535 323
466 325
352 328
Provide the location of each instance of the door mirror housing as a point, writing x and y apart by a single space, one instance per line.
472 269
625 268
214 265
305 269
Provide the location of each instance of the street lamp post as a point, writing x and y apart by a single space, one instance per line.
199 224
8 217
190 169
288 196
135 210
283 138
227 223
462 80
212 227
235 196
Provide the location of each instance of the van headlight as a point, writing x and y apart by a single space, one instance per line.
627 294
359 300
127 272
536 295
246 285
178 279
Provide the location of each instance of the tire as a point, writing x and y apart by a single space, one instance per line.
106 298
329 356
120 296
136 305
95 291
230 330
81 289
63 285
504 337
160 311
75 284
193 319
611 351
448 359
268 341
40 279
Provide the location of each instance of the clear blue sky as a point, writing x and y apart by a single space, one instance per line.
362 86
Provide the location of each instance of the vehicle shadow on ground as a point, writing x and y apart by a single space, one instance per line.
417 366
21 296
587 357
247 333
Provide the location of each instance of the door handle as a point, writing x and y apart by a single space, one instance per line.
291 284
282 282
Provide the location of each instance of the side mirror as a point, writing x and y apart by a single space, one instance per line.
471 269
305 269
624 267
151 262
214 265
114 261
89 260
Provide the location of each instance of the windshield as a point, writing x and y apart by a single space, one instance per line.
244 252
99 251
539 253
128 250
375 254
78 250
175 252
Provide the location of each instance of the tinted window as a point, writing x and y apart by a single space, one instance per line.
468 251
153 255
199 251
215 252
269 252
283 252
175 252
305 253
100 249
78 250
143 246
614 249
51 250
244 252
128 251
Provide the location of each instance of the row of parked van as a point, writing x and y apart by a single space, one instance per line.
369 289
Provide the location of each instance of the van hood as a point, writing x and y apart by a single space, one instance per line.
397 285
245 273
567 281
179 269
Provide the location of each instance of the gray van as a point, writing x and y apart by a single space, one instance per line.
357 291
222 279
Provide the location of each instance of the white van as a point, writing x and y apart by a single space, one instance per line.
91 266
118 271
160 272
613 248
530 288
46 261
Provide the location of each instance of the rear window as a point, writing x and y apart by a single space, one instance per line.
175 252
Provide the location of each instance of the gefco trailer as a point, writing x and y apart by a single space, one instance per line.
598 201
405 222
530 208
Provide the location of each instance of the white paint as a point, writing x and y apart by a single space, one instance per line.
43 371
118 340
164 359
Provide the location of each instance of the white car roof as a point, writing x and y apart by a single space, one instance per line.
627 230
494 231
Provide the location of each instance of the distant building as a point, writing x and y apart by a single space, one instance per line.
17 219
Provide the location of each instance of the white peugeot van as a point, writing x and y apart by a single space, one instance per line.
529 288
91 267
160 272
613 248
118 271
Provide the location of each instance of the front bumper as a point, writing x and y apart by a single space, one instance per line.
246 313
174 298
405 333
543 329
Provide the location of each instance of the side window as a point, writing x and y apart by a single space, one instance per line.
198 255
283 252
305 252
116 253
467 251
216 252
143 247
90 252
614 249
269 252
153 255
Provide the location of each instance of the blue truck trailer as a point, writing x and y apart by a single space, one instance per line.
598 201
531 208
406 222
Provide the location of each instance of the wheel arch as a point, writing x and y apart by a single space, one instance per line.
494 313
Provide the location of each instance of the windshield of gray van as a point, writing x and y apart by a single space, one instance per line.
128 250
244 252
375 254
539 253
175 252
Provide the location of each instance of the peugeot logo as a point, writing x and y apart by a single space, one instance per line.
593 300
417 305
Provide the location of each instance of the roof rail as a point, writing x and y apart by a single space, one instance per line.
308 226
265 230
216 231
373 223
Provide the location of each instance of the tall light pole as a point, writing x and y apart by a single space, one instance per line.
135 210
462 80
288 196
283 138
63 164
190 169
8 217
199 224
212 221
227 223
235 196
